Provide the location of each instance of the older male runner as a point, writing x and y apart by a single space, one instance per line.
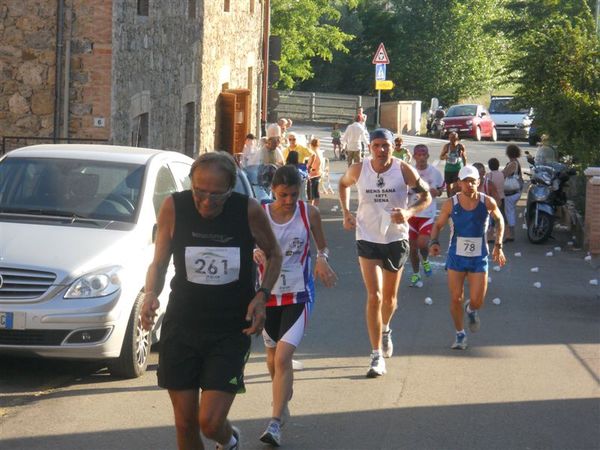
381 227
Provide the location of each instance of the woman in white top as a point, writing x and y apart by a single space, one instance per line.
293 223
381 233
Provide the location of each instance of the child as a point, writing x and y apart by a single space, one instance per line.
292 297
336 140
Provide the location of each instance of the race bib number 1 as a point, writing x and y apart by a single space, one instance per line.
468 246
291 280
212 265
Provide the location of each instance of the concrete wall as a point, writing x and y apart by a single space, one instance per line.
231 45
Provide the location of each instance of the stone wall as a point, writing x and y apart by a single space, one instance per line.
27 67
155 70
232 43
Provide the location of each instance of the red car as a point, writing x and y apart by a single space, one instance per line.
470 120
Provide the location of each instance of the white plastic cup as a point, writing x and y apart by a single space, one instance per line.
518 254
588 258
549 254
428 301
594 282
537 284
496 301
535 269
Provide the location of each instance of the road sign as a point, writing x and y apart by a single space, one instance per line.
384 85
381 56
380 72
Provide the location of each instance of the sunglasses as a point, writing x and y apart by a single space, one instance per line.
213 197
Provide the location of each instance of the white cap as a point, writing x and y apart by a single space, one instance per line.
273 130
468 172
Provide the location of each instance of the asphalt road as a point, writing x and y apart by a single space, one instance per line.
529 380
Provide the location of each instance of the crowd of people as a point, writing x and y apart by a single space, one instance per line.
242 268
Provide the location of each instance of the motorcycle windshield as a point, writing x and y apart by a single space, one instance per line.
545 155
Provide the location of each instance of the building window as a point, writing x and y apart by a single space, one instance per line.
226 5
139 136
191 9
188 132
143 7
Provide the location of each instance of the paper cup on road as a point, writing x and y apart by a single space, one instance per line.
518 254
588 258
496 301
549 254
594 282
535 269
428 301
537 284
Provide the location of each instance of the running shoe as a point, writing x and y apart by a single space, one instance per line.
461 342
377 367
473 317
236 434
427 268
272 434
415 280
388 345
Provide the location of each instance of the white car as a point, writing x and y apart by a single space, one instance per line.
77 224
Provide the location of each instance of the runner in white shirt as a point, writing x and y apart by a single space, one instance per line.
420 225
381 233
355 135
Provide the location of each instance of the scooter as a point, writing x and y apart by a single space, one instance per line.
545 195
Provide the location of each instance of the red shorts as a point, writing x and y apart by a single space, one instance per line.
419 226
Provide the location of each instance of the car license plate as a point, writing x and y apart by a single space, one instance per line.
452 129
504 131
12 321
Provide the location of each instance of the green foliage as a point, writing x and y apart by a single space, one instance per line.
307 30
558 72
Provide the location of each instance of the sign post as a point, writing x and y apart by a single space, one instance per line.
381 61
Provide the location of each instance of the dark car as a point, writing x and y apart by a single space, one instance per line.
470 120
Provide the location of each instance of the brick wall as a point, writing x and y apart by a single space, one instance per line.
592 211
91 68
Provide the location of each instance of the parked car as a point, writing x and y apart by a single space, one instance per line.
471 121
77 224
511 122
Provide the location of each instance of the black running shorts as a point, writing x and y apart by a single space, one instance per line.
212 362
393 255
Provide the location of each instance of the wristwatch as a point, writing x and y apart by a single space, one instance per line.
265 291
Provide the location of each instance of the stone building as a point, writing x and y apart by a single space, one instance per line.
182 75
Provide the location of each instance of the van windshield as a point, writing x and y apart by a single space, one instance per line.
505 106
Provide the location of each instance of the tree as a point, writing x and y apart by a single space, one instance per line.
307 30
558 73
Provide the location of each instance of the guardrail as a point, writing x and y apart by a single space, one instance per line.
319 106
12 142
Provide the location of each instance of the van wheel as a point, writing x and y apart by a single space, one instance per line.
478 134
136 346
494 137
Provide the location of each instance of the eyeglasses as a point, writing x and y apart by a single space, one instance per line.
213 197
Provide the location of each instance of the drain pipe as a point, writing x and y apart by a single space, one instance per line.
265 77
58 66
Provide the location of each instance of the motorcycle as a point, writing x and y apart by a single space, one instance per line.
546 193
435 122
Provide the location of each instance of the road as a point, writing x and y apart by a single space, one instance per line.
530 379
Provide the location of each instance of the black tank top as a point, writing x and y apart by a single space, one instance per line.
208 292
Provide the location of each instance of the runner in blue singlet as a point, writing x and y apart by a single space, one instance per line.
468 251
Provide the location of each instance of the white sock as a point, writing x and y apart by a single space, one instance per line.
461 331
469 310
385 328
376 352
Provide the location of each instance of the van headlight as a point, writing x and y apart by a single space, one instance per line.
96 284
